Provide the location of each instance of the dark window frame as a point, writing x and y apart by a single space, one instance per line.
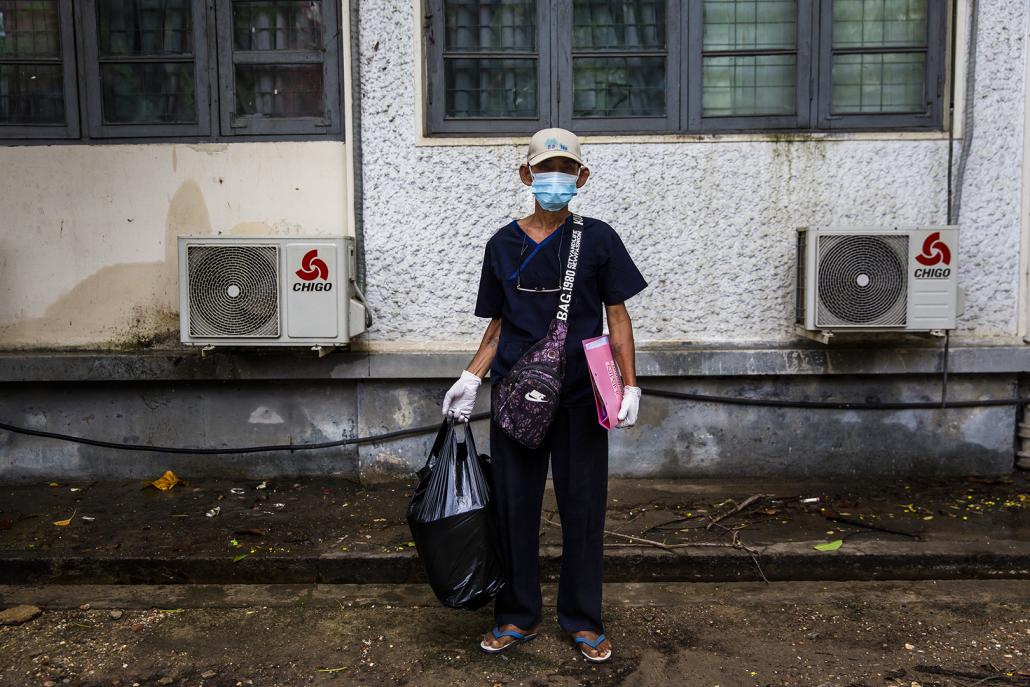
697 122
936 75
70 129
89 51
332 93
814 86
434 29
84 125
602 125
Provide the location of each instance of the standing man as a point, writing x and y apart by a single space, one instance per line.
518 290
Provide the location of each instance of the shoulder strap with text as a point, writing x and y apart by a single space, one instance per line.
569 278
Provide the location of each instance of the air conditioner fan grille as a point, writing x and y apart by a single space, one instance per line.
233 290
862 280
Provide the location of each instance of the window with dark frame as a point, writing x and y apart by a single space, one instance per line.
168 69
278 68
679 66
883 63
38 96
750 60
491 60
622 64
146 65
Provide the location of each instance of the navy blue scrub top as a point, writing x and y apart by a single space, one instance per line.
605 275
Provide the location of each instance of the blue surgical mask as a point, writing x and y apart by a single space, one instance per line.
554 190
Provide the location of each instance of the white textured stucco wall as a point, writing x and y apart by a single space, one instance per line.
711 223
88 233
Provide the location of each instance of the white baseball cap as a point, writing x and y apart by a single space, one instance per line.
548 143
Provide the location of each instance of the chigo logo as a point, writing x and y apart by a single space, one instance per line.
313 267
934 253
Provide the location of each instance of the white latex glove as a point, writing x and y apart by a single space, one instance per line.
461 397
630 406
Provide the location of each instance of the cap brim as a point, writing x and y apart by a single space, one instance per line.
548 154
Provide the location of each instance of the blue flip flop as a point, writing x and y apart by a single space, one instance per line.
519 639
593 645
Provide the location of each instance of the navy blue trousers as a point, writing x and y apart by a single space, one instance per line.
577 446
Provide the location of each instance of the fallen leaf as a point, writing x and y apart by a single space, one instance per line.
65 523
165 481
829 546
239 557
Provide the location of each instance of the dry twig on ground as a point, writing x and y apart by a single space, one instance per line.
734 544
747 502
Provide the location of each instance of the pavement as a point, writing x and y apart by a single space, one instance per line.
314 531
949 633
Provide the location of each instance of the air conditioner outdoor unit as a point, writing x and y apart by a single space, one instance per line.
903 279
268 291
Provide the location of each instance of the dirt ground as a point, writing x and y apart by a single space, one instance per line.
846 634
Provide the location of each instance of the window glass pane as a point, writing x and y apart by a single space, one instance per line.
277 25
29 29
879 82
490 24
626 24
750 24
878 23
491 87
618 86
749 85
148 92
31 94
294 90
144 27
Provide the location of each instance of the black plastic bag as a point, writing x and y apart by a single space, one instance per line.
453 523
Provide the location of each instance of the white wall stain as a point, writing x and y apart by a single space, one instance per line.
906 419
404 416
979 426
265 416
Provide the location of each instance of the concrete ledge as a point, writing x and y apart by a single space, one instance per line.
708 360
672 438
780 562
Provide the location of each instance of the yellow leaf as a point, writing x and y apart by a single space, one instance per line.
54 484
166 481
65 523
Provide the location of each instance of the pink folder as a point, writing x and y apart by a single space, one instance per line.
605 378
